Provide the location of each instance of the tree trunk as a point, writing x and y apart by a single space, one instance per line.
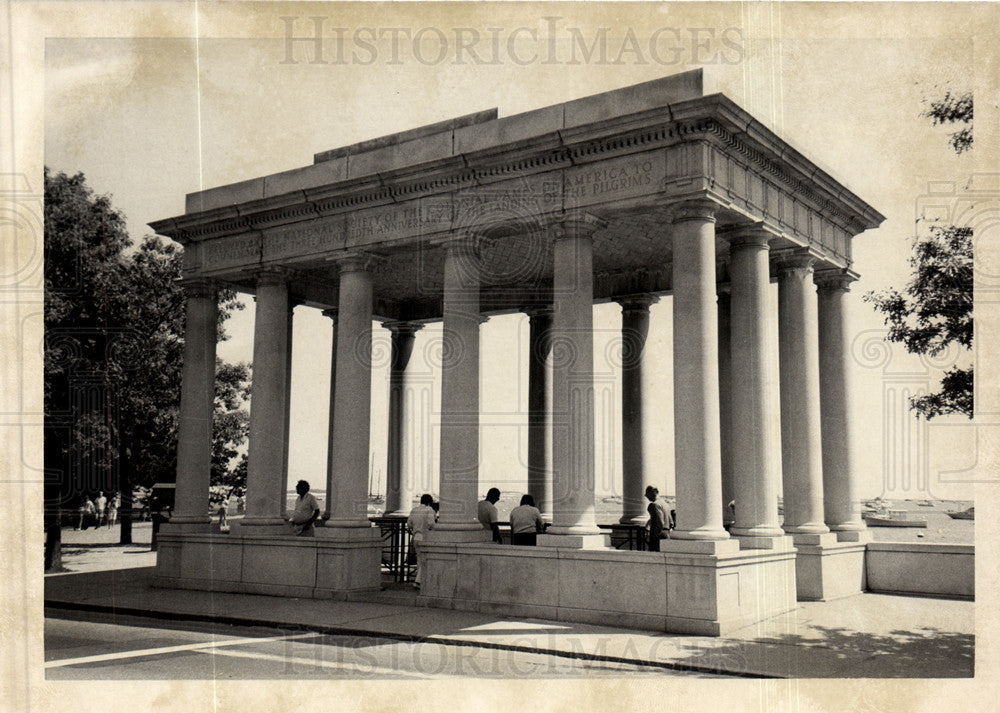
125 479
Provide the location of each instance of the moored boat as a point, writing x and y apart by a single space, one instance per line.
967 514
893 518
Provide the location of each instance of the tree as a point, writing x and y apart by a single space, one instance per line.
114 318
953 109
936 309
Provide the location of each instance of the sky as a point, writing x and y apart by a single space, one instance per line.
151 119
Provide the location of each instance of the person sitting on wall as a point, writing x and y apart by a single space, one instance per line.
419 523
525 523
306 511
487 513
657 519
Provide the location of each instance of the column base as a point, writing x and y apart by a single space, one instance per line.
444 536
177 525
826 569
575 542
727 546
634 519
860 535
778 543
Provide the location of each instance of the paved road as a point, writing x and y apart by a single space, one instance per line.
93 646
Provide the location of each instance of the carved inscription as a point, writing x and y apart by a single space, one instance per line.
305 238
518 201
394 222
627 177
230 252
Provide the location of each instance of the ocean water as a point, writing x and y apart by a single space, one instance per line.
940 528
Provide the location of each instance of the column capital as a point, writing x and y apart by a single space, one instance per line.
752 236
698 209
198 286
637 303
835 279
272 276
356 262
573 225
467 243
400 327
536 311
798 259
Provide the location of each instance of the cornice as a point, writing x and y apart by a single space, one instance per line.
714 118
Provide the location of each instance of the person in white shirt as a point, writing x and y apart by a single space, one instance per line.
419 523
525 522
486 511
306 511
101 505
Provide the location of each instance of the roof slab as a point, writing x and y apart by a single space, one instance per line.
626 157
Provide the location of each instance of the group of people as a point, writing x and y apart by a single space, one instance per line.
99 511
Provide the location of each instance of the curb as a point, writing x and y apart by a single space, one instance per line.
410 638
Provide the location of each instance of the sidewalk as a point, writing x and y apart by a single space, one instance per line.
866 636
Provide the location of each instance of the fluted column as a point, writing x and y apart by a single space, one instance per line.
798 349
841 501
399 480
352 405
194 432
754 459
540 408
460 393
332 314
635 477
697 457
266 485
573 386
725 404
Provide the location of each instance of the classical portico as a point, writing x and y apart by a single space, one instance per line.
647 193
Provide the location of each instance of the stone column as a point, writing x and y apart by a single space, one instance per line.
330 480
460 394
697 456
635 328
540 408
399 481
266 486
573 521
194 433
726 405
756 463
798 349
288 392
352 406
842 505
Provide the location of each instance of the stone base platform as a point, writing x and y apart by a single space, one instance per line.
827 569
337 562
711 592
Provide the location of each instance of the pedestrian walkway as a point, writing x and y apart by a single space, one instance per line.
869 635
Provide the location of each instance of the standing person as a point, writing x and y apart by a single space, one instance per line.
87 511
306 511
525 522
101 504
223 511
657 519
487 513
419 523
113 504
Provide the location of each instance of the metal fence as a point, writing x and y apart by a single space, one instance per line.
399 561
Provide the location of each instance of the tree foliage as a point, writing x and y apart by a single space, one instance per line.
935 310
954 109
114 320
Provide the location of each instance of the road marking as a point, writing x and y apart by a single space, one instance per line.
354 668
140 653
